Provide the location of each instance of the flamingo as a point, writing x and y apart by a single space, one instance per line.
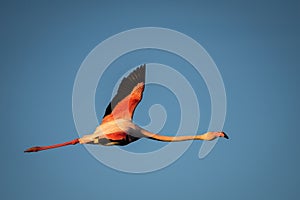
117 127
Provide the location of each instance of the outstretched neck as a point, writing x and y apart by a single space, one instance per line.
171 138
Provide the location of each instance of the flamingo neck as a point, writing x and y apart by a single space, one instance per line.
171 138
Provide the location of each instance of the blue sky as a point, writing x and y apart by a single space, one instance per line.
255 46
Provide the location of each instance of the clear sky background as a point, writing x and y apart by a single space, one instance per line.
255 45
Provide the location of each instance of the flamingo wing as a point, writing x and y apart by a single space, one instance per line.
129 94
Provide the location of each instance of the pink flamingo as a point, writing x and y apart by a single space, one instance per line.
117 127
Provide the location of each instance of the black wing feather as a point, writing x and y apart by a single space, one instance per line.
126 87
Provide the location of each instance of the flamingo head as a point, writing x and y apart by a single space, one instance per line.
214 135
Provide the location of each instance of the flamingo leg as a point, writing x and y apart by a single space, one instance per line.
41 148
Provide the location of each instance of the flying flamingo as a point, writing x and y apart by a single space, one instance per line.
117 127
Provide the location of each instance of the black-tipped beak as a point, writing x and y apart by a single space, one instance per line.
225 135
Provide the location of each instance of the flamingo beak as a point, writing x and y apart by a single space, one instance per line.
225 135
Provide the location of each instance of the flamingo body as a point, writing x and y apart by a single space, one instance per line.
116 132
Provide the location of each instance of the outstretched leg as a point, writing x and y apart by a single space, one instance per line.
41 148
